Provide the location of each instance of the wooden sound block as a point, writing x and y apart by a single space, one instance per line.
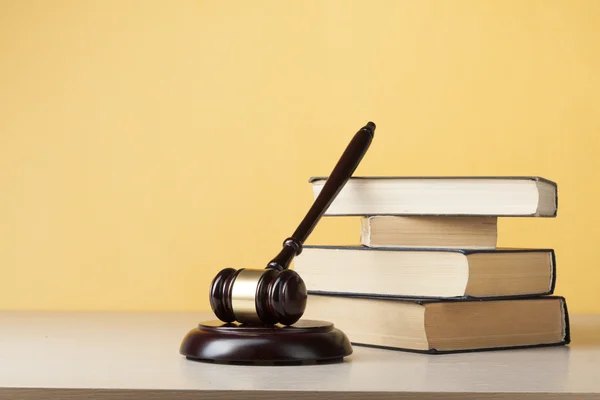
305 342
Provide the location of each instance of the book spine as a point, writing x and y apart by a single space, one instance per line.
567 324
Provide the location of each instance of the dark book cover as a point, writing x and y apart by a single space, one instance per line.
313 179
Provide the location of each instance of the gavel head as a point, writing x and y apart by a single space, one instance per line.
258 296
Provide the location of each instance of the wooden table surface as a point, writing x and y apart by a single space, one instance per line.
106 355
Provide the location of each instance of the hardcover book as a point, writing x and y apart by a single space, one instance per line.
527 196
429 231
427 273
437 327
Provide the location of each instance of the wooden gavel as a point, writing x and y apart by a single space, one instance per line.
277 294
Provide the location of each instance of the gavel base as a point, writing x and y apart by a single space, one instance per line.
305 342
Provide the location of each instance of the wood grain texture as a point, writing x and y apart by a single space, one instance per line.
103 355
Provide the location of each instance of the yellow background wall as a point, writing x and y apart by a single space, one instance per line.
144 145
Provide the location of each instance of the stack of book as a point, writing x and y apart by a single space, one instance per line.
428 275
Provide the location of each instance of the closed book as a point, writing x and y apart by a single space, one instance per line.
519 196
437 327
427 273
429 231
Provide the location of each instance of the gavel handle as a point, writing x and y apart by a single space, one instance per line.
342 171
